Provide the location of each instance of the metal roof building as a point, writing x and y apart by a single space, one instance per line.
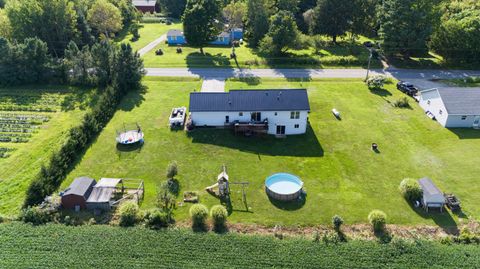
76 195
432 196
250 100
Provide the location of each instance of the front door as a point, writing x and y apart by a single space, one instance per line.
476 122
280 129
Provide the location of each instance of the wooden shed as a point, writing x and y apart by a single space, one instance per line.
432 196
76 195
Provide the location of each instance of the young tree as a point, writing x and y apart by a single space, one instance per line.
103 55
5 27
332 18
127 69
172 170
200 22
282 34
405 26
105 18
256 22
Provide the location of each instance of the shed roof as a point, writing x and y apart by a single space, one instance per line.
100 195
79 186
459 101
108 182
174 32
431 194
144 3
250 100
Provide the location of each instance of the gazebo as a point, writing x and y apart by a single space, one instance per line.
432 196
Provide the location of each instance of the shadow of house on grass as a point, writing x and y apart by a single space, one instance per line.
306 145
465 133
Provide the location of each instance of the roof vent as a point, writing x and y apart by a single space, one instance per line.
229 102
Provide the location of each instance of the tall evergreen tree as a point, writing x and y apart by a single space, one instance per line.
173 8
256 22
200 22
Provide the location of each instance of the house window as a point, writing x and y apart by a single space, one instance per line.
295 115
240 114
296 126
440 111
464 117
276 113
428 102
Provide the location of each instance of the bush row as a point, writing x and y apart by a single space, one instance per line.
199 214
127 72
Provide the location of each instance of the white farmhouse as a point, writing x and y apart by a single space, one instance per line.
276 112
453 107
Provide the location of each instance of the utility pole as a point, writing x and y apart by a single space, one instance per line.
369 62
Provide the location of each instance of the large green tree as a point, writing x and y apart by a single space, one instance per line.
406 26
53 21
234 13
174 8
105 17
457 39
256 21
332 18
200 22
282 34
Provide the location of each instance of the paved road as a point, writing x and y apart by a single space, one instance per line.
152 45
403 74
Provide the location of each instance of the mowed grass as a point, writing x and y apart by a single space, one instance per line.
342 175
344 55
25 161
148 33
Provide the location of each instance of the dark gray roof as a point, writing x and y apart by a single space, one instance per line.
80 186
250 100
174 32
461 101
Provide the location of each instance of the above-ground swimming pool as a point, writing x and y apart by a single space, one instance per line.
283 186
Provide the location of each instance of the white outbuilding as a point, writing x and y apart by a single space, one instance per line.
452 107
276 112
432 196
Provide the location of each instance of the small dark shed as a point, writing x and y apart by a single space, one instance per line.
77 193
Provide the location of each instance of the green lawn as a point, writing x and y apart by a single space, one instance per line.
344 55
40 132
148 33
341 174
100 246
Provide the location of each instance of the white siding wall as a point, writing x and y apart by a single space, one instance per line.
217 119
431 101
455 121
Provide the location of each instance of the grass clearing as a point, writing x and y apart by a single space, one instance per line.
148 33
98 246
341 174
33 123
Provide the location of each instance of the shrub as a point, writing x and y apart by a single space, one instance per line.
376 82
402 103
199 214
156 219
331 238
378 219
172 170
468 237
128 212
337 221
410 189
318 43
316 236
219 216
34 215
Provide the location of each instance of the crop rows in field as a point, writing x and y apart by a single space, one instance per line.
18 128
5 152
31 102
106 247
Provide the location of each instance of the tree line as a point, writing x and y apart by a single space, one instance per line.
403 28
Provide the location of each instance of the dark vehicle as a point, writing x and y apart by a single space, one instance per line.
407 88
